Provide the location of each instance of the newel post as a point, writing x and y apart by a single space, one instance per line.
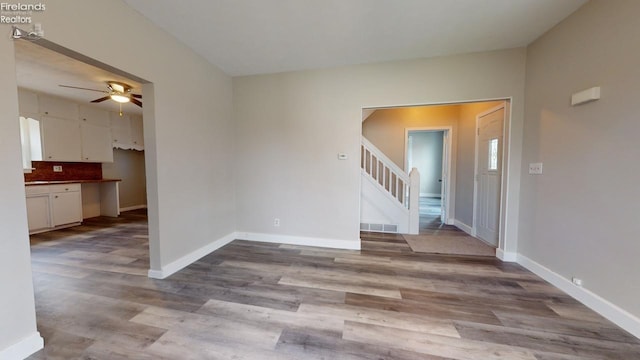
414 201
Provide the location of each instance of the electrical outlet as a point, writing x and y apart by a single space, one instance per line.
576 281
57 168
535 168
276 222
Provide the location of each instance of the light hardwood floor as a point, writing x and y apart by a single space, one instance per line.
253 300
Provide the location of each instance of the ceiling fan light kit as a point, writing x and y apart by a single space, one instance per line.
118 92
120 98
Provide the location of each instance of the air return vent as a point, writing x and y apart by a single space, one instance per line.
385 228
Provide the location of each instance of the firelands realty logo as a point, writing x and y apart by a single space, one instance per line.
18 13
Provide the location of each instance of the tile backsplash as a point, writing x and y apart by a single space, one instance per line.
43 171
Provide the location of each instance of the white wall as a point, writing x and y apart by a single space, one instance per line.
188 142
128 165
291 126
580 218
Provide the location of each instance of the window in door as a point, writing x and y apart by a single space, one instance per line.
493 155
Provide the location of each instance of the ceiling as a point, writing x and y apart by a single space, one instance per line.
246 37
42 70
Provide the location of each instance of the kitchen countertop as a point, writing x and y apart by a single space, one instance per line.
54 182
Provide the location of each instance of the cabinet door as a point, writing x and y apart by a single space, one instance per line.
57 107
60 139
38 212
27 102
94 116
121 131
66 207
96 143
137 136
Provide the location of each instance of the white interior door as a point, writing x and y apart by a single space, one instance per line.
489 175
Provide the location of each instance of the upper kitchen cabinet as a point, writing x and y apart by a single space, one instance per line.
121 131
57 107
96 142
137 135
95 116
95 130
27 103
61 139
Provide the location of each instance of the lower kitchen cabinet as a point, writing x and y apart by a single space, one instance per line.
66 205
52 206
38 212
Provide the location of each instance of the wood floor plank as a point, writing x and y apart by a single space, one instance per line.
393 319
549 343
273 318
461 349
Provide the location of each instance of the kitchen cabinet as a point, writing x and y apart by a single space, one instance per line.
61 139
94 116
137 134
60 108
66 204
27 103
96 143
38 208
121 131
53 206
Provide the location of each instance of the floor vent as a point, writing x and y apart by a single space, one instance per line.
386 228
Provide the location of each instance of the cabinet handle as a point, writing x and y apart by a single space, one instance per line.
49 157
56 196
66 189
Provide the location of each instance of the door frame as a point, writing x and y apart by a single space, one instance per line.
503 159
449 206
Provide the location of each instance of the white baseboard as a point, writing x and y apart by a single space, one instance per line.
462 226
135 207
506 256
431 195
190 258
615 314
301 240
23 348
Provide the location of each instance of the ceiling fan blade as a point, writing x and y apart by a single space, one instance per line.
137 96
101 99
81 88
136 102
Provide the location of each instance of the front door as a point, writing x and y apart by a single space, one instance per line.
489 175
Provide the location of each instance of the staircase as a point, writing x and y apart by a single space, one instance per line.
388 203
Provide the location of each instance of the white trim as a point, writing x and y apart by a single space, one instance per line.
404 175
615 314
23 348
430 195
301 240
462 226
506 256
135 207
190 258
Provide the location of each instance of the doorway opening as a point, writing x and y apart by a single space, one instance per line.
427 150
441 142
83 159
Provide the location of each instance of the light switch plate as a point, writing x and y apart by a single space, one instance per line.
535 168
57 168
